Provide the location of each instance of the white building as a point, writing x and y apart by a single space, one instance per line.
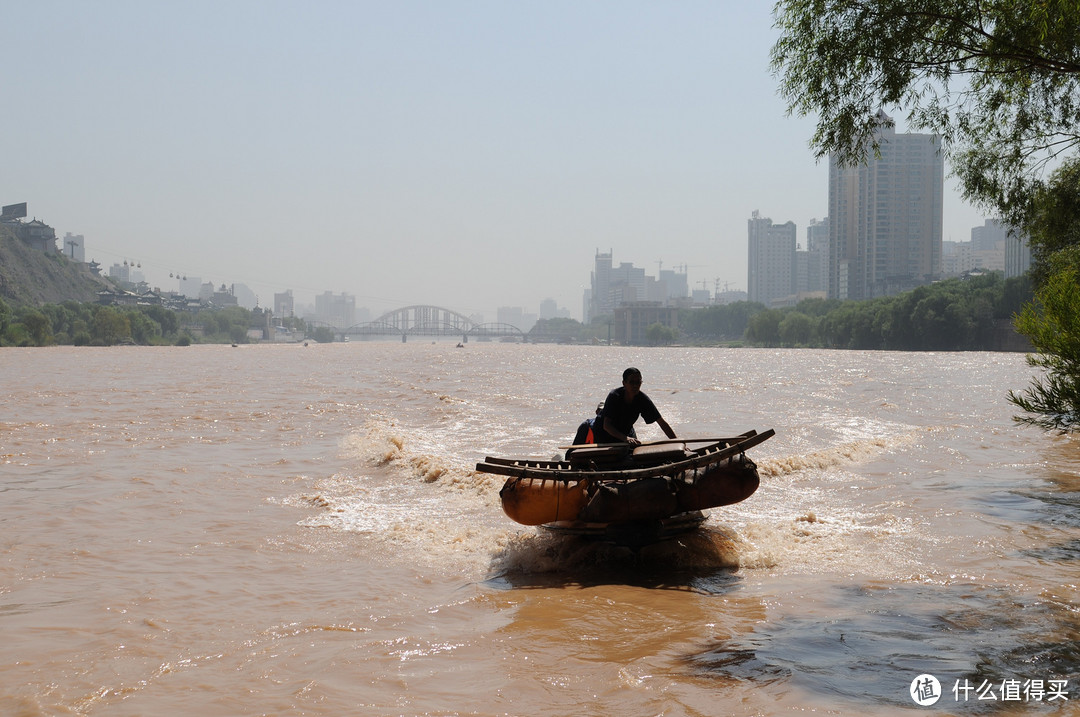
771 261
885 217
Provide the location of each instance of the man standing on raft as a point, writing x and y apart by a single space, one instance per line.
615 424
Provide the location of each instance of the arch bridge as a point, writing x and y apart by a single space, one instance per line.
427 320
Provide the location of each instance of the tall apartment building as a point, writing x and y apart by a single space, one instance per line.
548 309
1017 255
988 236
600 294
676 282
988 245
1008 247
885 217
812 264
283 304
771 263
338 310
627 284
515 316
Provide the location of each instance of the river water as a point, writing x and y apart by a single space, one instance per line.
299 530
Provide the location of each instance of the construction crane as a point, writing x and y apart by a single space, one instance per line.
727 286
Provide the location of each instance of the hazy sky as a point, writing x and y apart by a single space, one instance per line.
469 154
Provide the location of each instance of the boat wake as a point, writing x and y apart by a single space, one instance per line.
844 454
584 560
403 490
382 444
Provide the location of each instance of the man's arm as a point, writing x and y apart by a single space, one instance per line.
612 430
665 427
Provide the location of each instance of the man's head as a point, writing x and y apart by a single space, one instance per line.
631 381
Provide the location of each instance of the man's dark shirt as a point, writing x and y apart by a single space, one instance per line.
623 414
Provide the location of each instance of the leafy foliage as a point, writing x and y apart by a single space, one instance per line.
660 335
728 321
1052 323
93 324
999 80
953 315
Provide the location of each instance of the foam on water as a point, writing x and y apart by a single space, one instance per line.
396 491
432 507
405 488
814 513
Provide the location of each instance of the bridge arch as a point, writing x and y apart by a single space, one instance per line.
428 320
422 318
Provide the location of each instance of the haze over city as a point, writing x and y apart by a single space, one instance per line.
470 155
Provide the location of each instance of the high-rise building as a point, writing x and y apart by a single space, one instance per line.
988 236
885 217
812 264
244 296
338 310
988 245
771 268
190 287
515 316
677 286
283 304
957 258
611 287
548 309
627 284
1017 253
600 303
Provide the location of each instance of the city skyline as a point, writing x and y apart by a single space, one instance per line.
467 155
984 249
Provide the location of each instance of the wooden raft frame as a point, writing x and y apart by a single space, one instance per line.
565 471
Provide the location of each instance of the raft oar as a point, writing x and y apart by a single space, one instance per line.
726 439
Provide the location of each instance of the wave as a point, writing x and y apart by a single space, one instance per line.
382 444
402 488
844 454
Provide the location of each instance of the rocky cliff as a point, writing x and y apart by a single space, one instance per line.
32 277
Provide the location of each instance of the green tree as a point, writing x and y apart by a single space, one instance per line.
1053 325
15 334
38 327
165 319
796 329
1053 224
1054 230
728 321
557 329
323 334
659 335
110 326
143 329
764 327
999 80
